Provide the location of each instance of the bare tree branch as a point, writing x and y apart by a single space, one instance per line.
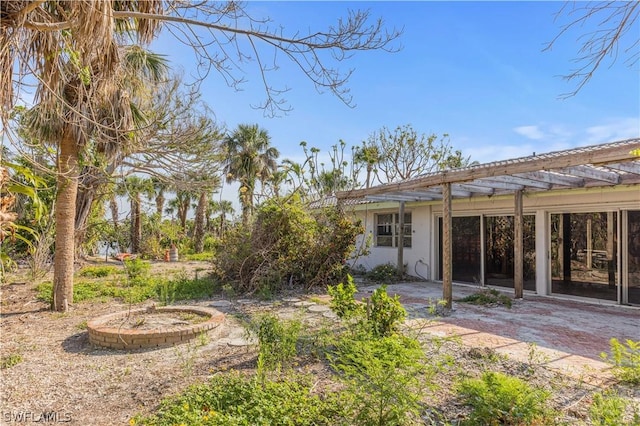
616 22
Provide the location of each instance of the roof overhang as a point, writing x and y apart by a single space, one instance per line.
599 165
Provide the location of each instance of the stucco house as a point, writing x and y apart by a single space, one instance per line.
563 223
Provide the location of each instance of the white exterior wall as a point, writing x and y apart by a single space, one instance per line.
421 258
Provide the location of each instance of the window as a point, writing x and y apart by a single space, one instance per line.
387 230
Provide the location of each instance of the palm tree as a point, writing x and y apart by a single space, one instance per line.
201 207
223 207
159 188
71 50
182 204
81 94
368 155
249 158
135 187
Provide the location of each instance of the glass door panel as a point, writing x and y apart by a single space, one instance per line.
465 235
583 254
499 251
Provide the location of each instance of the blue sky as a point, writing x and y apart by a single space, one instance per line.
474 70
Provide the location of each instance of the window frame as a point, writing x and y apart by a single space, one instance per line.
391 229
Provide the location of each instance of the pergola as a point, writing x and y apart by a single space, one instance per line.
592 166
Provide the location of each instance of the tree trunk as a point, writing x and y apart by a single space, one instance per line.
115 214
183 209
198 229
160 203
136 224
84 202
65 209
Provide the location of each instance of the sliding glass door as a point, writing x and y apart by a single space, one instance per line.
584 254
466 253
499 251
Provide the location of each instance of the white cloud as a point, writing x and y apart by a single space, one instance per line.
613 130
531 132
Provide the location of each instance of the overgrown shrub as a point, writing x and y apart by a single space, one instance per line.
384 376
343 302
137 270
385 273
625 358
379 315
384 313
499 399
277 339
288 245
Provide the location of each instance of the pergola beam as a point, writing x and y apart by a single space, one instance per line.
589 172
522 181
474 188
427 195
553 178
631 167
396 197
496 184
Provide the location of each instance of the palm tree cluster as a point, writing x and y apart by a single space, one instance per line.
94 80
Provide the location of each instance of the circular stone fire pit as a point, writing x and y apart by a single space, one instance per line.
153 327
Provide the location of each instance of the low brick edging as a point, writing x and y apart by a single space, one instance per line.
120 338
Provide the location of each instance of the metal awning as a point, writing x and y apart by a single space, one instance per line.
592 166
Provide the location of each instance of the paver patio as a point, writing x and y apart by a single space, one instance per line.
569 335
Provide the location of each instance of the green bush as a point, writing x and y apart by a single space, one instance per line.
607 409
383 375
98 271
384 313
386 273
234 400
191 289
625 358
488 297
343 302
277 339
288 245
379 315
498 399
206 256
137 270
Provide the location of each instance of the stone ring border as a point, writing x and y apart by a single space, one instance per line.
121 338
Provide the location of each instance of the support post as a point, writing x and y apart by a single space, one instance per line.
611 255
447 270
589 241
400 265
518 247
566 248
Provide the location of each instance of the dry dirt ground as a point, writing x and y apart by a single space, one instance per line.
63 378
